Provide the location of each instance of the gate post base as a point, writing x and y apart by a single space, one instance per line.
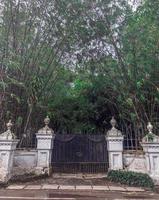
8 143
114 140
150 145
43 171
115 152
45 138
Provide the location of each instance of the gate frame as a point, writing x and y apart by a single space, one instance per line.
92 165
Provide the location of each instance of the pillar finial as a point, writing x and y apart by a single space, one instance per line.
46 129
150 137
8 134
47 121
113 122
149 127
113 131
9 125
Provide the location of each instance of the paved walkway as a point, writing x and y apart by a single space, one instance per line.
74 187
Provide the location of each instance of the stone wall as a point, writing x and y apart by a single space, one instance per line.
25 161
134 161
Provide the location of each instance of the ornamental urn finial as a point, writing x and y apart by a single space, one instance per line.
9 135
113 131
150 137
149 127
47 121
113 122
9 125
46 129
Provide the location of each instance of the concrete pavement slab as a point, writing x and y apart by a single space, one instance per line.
116 188
49 187
67 187
134 189
84 187
15 187
33 187
102 188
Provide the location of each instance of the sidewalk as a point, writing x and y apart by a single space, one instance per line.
74 187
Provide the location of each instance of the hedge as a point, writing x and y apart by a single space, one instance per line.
131 178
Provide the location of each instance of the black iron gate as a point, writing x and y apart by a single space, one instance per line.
80 153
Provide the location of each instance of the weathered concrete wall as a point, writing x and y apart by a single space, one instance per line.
25 161
134 161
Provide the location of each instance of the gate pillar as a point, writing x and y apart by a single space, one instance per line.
114 140
8 143
150 144
45 139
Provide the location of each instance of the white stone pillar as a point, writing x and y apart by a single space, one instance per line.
150 144
45 138
8 145
115 147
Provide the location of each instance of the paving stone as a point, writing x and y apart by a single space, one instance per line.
134 189
67 187
83 187
103 188
33 187
116 188
50 187
15 187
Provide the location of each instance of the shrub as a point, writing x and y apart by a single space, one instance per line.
131 178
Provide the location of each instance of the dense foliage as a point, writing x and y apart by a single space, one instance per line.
131 178
80 62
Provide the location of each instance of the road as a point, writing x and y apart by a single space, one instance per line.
73 195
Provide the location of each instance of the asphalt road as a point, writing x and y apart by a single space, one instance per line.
73 195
